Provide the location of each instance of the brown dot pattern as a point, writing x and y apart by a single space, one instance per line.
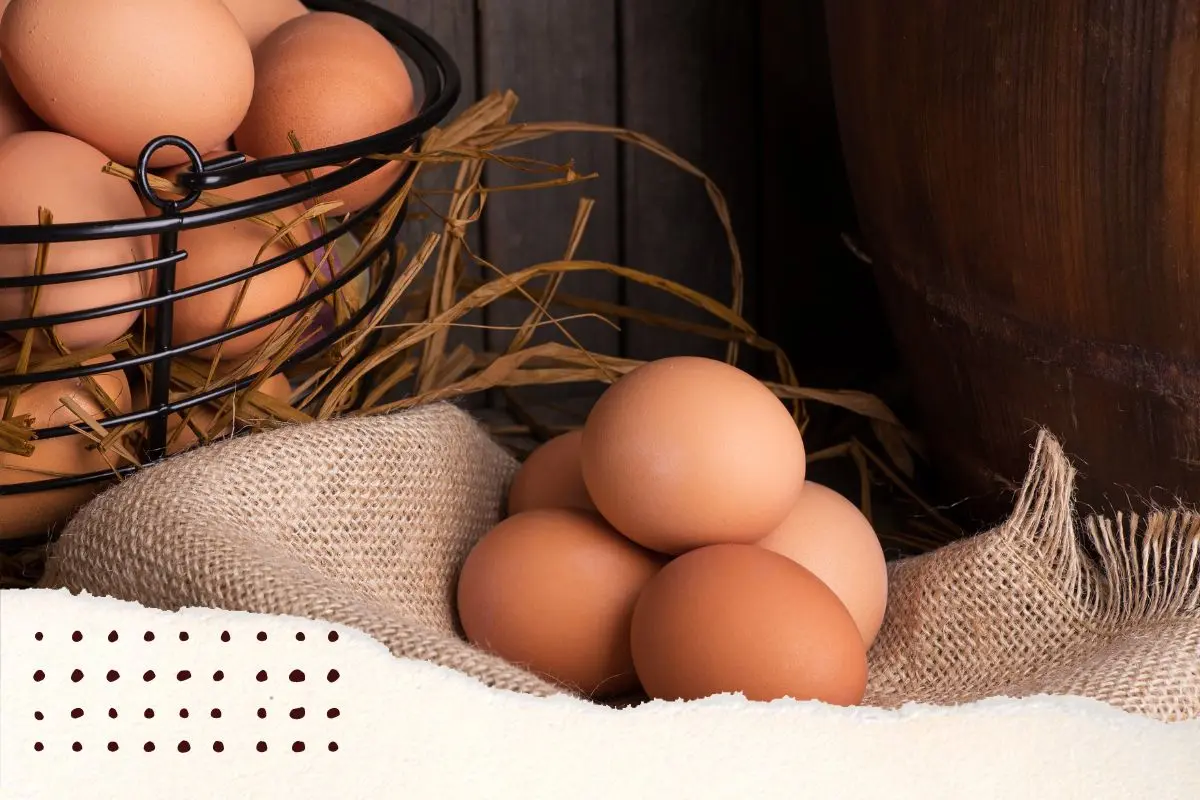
295 676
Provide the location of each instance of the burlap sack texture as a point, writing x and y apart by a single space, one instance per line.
364 522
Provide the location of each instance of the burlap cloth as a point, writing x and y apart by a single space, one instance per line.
364 522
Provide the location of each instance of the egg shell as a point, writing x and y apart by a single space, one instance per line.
118 73
15 115
37 513
737 618
829 535
63 174
551 477
203 417
258 18
220 250
686 452
331 79
553 590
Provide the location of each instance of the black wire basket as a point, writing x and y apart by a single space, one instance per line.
440 85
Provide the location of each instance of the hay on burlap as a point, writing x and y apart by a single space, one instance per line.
365 522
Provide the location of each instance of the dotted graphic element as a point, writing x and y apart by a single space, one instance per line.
184 745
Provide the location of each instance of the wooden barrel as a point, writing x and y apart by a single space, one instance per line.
1027 178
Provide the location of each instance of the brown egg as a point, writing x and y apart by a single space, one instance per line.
738 618
358 87
117 73
827 534
686 452
551 478
203 417
221 250
259 18
15 116
553 590
62 174
35 514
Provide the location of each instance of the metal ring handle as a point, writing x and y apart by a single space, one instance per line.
142 173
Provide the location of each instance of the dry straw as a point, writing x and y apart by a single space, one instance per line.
405 342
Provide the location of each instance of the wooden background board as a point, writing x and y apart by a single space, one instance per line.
740 89
691 82
454 24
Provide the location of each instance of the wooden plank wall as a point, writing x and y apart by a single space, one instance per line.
740 89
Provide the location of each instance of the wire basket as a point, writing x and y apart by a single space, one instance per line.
440 86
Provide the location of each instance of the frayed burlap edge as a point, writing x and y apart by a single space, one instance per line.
1047 603
1148 567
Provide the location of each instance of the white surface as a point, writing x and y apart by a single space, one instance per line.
409 729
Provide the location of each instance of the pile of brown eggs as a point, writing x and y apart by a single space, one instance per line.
674 545
86 82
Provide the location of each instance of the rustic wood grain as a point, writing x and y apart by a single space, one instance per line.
816 298
690 79
1027 178
561 60
453 24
